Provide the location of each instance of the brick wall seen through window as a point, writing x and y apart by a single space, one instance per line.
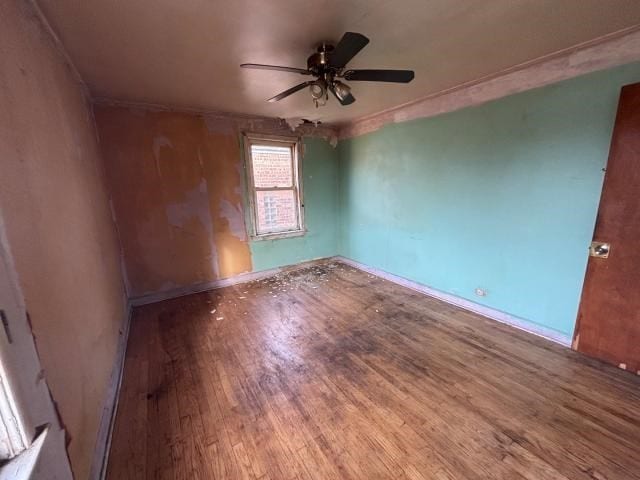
275 185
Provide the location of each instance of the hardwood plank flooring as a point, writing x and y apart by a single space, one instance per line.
328 372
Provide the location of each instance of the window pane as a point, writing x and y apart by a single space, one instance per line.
271 166
276 211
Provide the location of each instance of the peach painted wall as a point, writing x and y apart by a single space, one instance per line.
177 185
57 219
176 181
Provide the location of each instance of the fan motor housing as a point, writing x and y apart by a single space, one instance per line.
318 63
328 65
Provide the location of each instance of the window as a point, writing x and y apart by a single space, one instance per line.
274 183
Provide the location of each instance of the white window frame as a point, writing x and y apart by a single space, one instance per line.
293 143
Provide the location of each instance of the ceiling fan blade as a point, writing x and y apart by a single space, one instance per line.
396 76
348 100
350 44
258 66
291 91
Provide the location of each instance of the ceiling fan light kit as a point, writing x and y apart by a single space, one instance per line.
318 91
328 66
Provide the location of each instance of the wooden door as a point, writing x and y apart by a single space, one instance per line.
608 325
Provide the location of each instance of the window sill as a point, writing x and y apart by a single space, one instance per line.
279 235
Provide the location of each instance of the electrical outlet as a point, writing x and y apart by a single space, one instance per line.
481 292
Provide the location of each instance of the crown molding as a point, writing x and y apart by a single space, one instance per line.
232 122
601 53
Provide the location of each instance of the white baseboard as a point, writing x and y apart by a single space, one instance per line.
483 310
224 282
107 421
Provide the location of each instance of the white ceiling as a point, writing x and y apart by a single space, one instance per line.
186 53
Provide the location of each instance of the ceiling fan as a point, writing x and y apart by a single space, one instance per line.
328 66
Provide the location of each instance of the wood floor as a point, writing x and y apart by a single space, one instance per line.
331 373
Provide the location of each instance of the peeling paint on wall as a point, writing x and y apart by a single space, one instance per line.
158 143
235 216
176 182
195 205
219 125
228 124
192 209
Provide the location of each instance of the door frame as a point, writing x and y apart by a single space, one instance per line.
29 408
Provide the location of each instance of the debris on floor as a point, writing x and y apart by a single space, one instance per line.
279 286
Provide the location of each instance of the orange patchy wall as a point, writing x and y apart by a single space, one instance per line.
176 182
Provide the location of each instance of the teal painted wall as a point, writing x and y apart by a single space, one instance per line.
502 196
320 188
